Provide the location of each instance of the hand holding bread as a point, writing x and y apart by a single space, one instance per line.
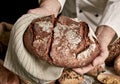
61 41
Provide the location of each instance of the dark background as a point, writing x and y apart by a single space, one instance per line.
11 10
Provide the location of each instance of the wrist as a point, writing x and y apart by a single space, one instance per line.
105 35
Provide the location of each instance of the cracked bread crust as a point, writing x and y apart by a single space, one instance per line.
70 77
62 42
38 37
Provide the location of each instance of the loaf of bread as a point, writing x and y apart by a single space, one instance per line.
96 71
5 29
8 77
117 65
61 41
114 51
70 77
106 78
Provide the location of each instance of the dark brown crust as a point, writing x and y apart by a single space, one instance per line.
70 77
29 37
117 65
107 78
114 51
48 50
83 32
70 60
96 71
7 77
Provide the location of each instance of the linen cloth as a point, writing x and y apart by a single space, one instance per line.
21 62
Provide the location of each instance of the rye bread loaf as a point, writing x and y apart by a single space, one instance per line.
117 65
107 78
61 41
8 77
70 77
114 51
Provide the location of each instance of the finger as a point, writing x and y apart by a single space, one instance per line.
83 70
39 11
99 60
42 12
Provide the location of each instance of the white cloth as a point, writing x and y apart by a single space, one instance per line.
62 2
21 62
98 12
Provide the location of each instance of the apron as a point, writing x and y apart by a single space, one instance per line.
89 11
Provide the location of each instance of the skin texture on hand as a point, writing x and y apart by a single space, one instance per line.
47 7
104 34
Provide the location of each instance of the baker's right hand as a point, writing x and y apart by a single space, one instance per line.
47 7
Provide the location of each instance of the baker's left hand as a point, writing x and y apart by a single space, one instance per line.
99 60
104 34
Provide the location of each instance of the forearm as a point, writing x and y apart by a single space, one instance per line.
105 35
111 16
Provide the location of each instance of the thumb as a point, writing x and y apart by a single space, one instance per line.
42 12
84 69
39 11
